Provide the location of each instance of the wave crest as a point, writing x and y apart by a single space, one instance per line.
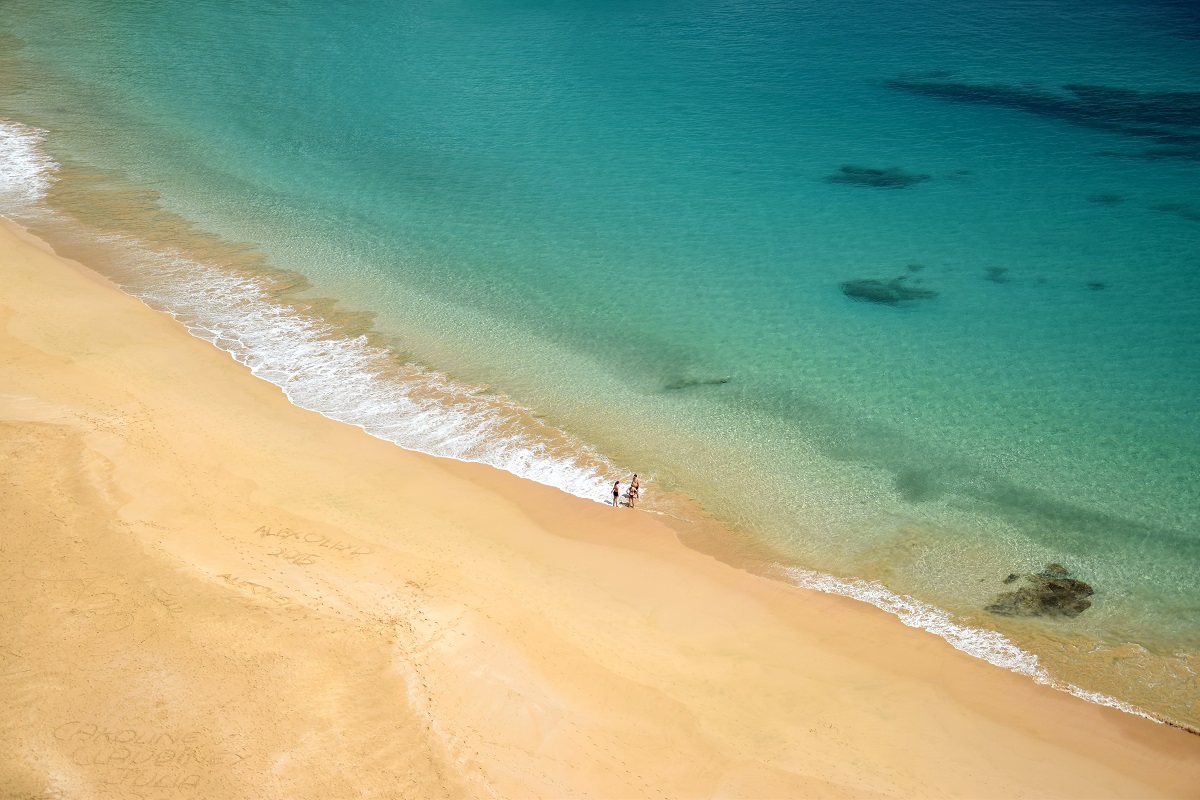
991 646
26 170
352 380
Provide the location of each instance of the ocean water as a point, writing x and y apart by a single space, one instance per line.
580 240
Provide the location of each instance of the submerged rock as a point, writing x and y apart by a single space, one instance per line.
1049 593
1168 120
997 274
1182 210
890 178
888 293
687 383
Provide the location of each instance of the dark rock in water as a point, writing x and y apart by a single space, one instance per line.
1012 577
997 274
915 267
1096 286
891 178
929 75
1182 210
1047 597
1106 199
1170 120
888 293
687 383
1049 593
872 291
1155 154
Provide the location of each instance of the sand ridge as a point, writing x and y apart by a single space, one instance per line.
208 592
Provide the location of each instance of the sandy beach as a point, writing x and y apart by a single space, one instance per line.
208 592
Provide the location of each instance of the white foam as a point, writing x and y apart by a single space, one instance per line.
347 379
353 381
991 646
26 171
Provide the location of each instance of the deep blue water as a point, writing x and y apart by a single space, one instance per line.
621 216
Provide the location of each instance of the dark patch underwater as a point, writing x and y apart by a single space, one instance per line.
1171 119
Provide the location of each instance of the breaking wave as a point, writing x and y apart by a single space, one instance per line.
318 366
991 646
352 380
26 170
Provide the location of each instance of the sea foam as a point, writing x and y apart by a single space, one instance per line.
349 379
346 378
991 646
26 170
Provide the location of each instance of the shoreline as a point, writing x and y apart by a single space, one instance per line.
195 556
337 354
305 326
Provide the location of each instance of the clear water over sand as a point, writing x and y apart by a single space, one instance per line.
627 228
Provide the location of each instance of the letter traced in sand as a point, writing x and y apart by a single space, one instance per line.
337 546
257 590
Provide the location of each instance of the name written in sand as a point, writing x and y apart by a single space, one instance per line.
293 556
335 546
257 589
99 599
143 758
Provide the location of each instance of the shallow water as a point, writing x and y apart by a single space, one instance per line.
613 236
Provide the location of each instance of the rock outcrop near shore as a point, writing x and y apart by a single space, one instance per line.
1049 593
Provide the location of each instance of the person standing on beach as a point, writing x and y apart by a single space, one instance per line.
634 489
616 493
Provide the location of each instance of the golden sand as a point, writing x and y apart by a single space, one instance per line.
207 592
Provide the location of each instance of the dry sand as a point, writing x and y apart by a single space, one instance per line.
207 592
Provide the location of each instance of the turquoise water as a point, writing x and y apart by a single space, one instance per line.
609 229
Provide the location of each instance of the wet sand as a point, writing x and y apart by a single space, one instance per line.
208 592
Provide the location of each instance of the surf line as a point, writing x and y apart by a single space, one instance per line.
990 646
